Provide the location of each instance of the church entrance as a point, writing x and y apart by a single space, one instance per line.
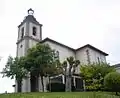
79 84
34 84
76 81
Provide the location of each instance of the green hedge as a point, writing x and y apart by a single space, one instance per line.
112 82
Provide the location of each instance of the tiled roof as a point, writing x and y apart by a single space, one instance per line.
88 45
116 65
30 18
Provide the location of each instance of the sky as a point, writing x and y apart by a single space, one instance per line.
72 22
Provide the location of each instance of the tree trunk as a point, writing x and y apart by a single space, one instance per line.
116 93
19 82
65 75
68 81
42 83
68 84
49 84
36 84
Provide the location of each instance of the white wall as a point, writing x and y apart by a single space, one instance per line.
94 56
21 50
63 51
32 43
118 69
20 29
82 56
31 25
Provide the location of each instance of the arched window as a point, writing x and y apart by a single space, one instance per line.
22 33
34 31
98 60
21 46
57 53
88 56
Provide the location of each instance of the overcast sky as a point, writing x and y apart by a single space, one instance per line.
72 22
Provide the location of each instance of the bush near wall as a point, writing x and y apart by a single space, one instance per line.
112 82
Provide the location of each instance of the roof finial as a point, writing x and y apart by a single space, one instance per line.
30 11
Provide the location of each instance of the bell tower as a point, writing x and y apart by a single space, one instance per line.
29 33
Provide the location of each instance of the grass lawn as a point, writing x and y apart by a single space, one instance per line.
60 95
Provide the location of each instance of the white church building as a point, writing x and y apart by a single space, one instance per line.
30 33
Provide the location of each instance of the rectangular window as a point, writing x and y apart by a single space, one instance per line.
34 31
98 59
88 56
22 33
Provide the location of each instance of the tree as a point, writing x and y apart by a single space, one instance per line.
94 74
112 82
41 61
52 70
14 69
68 69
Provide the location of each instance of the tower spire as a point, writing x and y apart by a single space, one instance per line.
30 11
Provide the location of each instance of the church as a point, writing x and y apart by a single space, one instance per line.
30 33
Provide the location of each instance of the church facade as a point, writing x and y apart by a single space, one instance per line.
30 33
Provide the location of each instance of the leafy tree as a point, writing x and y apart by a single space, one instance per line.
41 61
112 82
94 74
52 70
68 69
14 69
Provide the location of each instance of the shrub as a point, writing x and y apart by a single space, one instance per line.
112 82
94 74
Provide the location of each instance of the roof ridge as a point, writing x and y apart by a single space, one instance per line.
87 45
30 18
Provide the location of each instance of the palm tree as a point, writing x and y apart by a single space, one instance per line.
69 69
